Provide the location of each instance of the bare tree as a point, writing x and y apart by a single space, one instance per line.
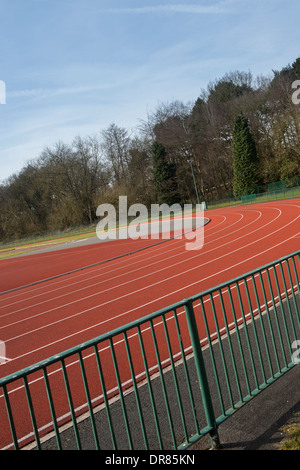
116 145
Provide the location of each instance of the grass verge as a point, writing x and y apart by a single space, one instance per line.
291 431
19 247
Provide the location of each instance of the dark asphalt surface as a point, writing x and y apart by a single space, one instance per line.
259 424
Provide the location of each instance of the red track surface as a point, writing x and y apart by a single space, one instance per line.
44 319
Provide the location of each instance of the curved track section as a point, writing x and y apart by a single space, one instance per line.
44 319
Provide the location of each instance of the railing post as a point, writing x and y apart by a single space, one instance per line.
202 376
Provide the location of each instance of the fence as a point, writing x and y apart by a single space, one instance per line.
279 190
166 380
269 192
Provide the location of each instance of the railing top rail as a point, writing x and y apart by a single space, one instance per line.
90 343
244 276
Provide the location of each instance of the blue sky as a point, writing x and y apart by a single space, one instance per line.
72 67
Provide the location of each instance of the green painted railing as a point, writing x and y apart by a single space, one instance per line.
165 380
270 192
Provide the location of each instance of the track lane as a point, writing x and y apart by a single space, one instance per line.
135 292
236 241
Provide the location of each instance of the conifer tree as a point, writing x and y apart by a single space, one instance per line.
164 176
245 160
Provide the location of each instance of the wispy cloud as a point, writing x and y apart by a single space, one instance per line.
44 93
223 6
217 8
47 92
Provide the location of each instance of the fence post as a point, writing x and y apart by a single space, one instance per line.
202 376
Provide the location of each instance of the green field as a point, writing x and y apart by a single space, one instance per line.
17 247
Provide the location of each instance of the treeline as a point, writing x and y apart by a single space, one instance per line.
64 185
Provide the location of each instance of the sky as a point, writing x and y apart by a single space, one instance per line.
73 67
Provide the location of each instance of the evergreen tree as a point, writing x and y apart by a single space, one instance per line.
164 176
245 160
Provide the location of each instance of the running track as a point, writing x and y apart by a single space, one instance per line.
45 318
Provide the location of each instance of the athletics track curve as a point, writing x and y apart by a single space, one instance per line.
44 319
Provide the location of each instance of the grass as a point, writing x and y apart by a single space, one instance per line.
18 247
263 197
292 432
22 246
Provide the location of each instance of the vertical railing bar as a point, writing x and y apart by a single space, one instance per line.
297 280
287 301
187 375
230 345
202 375
89 402
52 408
212 355
125 416
269 324
247 335
105 398
242 356
221 350
296 276
138 402
10 417
263 330
175 379
292 288
282 310
70 400
298 287
32 414
150 388
163 384
254 330
276 317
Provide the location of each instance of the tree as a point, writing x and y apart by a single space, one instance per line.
78 176
164 176
116 144
290 71
230 87
140 184
89 175
245 160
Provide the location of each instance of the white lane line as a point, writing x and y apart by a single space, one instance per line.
83 274
109 279
152 300
110 288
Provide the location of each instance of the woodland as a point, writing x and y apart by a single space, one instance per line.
156 162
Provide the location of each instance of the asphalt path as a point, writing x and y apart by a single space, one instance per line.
55 245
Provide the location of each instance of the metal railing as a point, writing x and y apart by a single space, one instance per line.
165 380
279 190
